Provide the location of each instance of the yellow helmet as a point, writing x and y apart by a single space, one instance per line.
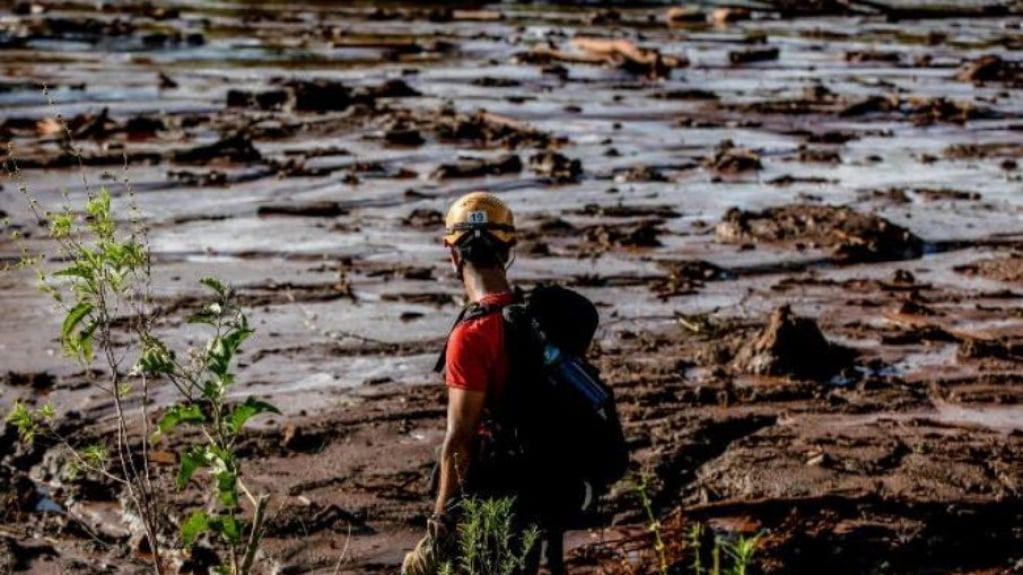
479 211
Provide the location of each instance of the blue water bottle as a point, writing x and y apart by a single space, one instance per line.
567 369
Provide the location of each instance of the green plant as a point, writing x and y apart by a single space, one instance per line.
103 290
490 541
653 524
738 549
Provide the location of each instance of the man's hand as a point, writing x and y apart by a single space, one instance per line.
431 551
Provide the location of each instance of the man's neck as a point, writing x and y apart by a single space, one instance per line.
488 281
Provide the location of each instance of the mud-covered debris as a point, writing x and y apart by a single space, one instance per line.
493 82
684 277
699 270
39 381
237 148
165 82
981 151
804 8
210 178
19 556
850 235
402 131
793 346
1004 348
729 14
933 110
620 210
729 159
261 100
990 68
870 105
479 167
317 95
320 209
789 179
751 55
862 56
394 88
685 15
299 515
424 219
144 126
834 137
945 194
690 94
641 173
18 495
555 227
92 126
642 235
556 167
490 130
616 53
817 155
1005 269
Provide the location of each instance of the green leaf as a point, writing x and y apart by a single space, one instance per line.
83 341
190 461
196 524
229 527
216 285
203 317
246 411
178 414
227 487
234 339
74 317
82 272
156 359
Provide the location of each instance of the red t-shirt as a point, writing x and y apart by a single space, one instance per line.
476 358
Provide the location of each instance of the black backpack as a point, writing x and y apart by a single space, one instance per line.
557 442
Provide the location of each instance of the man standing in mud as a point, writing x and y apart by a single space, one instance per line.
480 233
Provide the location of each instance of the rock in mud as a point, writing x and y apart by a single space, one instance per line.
211 178
640 173
38 381
485 128
236 148
479 167
641 235
556 167
18 495
753 55
861 56
990 68
793 346
728 159
620 210
1005 348
424 219
1004 269
323 209
691 94
318 95
870 105
850 235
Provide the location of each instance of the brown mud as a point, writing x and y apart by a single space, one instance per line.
801 222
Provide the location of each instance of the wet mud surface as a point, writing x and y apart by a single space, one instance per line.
801 222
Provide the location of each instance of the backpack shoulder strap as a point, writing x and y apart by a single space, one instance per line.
468 313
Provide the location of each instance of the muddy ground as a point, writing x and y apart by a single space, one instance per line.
801 221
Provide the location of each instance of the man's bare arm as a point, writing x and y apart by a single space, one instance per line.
465 410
